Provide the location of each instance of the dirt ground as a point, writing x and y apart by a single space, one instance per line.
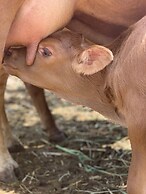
93 159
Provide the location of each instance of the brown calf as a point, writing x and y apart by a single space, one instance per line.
26 22
85 74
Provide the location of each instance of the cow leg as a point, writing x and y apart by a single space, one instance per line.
12 142
38 98
137 135
7 164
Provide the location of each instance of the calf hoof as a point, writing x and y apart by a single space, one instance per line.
17 147
19 174
57 137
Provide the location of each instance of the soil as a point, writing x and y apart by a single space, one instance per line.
93 159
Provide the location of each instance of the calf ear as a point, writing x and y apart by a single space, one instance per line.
92 60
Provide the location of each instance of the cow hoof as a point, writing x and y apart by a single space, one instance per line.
7 175
55 138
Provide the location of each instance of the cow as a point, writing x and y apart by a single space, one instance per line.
109 80
26 22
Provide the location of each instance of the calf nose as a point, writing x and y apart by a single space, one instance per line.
8 53
13 54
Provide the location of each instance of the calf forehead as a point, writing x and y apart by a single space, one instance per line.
68 38
64 42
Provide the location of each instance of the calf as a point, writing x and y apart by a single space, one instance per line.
26 22
86 74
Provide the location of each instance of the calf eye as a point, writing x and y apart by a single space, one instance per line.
46 52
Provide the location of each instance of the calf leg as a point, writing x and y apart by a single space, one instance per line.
38 98
7 164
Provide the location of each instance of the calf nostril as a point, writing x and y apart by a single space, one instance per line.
8 53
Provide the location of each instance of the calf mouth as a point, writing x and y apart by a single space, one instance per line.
10 69
8 62
10 58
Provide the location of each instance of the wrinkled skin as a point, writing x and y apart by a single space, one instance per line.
85 74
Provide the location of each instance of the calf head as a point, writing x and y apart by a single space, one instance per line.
62 63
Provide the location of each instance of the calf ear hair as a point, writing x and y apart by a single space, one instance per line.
92 60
